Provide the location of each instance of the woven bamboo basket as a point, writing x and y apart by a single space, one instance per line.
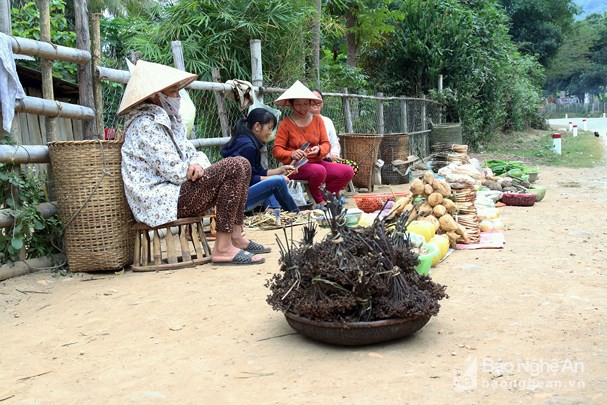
92 204
364 149
446 133
393 147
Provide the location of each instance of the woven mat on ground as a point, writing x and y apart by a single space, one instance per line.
489 240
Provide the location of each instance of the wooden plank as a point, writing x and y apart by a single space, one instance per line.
185 248
196 240
157 254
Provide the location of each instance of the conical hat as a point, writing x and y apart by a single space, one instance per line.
148 78
297 90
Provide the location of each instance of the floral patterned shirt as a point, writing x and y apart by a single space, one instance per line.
156 155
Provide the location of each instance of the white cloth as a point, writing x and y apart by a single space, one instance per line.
242 92
332 134
155 158
11 90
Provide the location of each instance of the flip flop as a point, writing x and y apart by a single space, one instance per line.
241 258
255 247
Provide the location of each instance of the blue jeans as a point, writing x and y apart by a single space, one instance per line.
272 192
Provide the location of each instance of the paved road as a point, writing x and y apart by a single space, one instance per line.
593 124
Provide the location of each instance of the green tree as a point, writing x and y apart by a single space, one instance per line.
366 22
217 33
122 8
25 21
580 66
539 26
468 43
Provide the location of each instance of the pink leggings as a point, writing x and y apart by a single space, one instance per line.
335 175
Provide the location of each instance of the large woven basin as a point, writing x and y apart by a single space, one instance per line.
356 333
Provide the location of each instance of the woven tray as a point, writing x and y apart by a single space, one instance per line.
364 149
356 333
520 199
92 204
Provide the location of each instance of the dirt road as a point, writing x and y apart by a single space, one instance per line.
523 324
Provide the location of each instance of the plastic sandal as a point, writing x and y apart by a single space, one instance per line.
241 258
255 247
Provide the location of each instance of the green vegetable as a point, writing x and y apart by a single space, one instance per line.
499 167
515 173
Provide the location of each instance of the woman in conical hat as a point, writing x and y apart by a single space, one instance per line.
303 127
165 178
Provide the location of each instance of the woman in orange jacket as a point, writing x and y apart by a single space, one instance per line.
301 128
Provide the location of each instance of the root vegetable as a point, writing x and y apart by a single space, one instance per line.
447 223
432 219
439 210
425 208
428 178
441 187
449 205
417 187
434 199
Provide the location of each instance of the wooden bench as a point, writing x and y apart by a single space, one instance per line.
162 250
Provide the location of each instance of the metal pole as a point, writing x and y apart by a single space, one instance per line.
347 112
178 60
423 115
440 90
5 17
256 66
380 114
403 115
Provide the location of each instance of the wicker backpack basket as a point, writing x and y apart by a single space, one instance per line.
393 147
364 149
92 204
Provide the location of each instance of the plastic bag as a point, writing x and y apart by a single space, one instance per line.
296 191
187 110
277 113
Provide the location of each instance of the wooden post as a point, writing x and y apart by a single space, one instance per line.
221 108
85 71
403 116
96 53
5 17
380 114
347 113
256 66
46 67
